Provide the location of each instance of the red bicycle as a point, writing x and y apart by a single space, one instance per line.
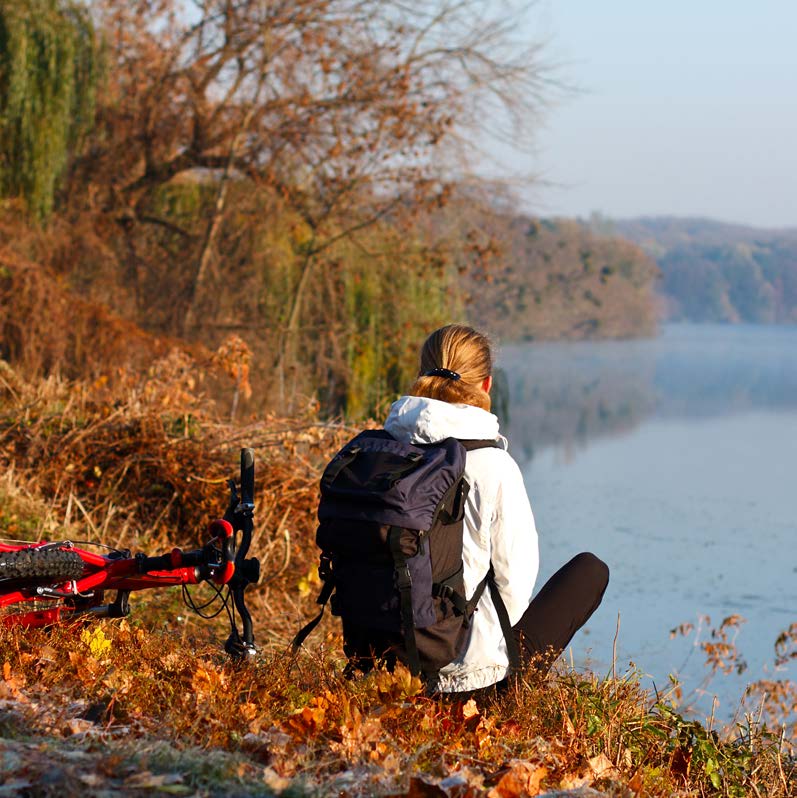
72 581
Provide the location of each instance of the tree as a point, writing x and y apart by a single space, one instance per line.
323 120
346 109
48 76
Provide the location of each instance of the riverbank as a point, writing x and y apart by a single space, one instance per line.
152 711
151 703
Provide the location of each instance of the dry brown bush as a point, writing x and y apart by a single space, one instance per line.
46 328
143 464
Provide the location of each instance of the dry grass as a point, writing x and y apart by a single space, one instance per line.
301 724
152 703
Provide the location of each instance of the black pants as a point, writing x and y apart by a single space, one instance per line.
557 612
560 609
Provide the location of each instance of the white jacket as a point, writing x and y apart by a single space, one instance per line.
499 527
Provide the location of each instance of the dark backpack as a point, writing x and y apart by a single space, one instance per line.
390 533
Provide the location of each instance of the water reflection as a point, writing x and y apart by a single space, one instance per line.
683 483
568 394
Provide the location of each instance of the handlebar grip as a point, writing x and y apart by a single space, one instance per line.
247 476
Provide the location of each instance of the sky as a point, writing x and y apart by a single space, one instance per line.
684 107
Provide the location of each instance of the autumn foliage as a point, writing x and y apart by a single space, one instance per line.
150 702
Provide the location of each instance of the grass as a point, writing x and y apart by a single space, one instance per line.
151 704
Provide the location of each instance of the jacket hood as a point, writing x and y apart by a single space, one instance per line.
416 419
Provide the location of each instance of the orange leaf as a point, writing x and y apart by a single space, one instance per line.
602 767
307 720
470 709
636 783
523 779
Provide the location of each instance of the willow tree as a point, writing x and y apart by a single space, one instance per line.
48 74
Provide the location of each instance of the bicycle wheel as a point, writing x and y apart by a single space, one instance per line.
40 564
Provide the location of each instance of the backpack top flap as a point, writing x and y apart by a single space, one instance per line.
377 478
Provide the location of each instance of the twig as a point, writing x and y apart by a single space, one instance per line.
614 648
165 510
286 536
713 710
85 515
108 515
780 761
68 511
9 388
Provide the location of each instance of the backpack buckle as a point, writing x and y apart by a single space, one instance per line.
324 568
442 590
403 577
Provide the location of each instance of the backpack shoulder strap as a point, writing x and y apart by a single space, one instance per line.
467 608
404 586
472 445
512 650
325 573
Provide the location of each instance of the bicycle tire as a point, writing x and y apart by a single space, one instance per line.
40 564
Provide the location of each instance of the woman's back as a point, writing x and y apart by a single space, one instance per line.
499 529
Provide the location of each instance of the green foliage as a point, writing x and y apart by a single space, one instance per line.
182 201
49 66
371 299
700 755
392 302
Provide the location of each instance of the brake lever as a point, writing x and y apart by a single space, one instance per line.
232 504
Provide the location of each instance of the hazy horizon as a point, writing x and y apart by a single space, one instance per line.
702 218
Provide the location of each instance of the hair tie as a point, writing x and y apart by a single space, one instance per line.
447 373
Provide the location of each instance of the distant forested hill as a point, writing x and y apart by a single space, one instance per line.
719 272
557 280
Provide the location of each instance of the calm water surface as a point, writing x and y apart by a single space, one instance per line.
675 460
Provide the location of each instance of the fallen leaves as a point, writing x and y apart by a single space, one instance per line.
470 709
78 726
121 766
96 641
86 667
399 685
308 720
368 736
376 735
10 687
601 767
206 680
521 779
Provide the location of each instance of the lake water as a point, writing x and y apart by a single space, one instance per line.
675 460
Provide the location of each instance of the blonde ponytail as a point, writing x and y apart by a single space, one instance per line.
461 351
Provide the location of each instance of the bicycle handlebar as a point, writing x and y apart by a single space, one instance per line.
217 564
240 514
248 479
237 571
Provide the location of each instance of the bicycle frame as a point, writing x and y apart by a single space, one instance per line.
218 561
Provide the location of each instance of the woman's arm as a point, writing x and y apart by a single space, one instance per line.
514 550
